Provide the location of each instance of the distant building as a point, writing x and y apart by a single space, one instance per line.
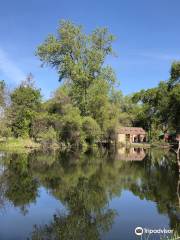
131 135
170 136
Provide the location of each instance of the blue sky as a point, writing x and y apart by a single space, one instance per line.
147 37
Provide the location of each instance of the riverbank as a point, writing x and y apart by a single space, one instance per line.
156 144
134 145
18 144
140 145
160 144
24 145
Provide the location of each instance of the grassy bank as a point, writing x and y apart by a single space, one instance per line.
24 145
18 144
161 144
135 145
155 144
141 145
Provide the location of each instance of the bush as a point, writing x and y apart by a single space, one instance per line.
48 138
5 131
91 130
71 131
39 125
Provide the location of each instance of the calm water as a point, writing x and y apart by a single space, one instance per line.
96 195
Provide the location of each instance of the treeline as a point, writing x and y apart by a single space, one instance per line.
24 114
160 106
87 107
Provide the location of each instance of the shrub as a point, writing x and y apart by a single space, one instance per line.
71 131
48 137
91 130
5 131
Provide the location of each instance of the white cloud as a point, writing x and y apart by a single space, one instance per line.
9 68
160 56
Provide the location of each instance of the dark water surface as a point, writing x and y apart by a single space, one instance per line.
87 196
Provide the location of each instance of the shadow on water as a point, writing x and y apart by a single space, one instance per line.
86 184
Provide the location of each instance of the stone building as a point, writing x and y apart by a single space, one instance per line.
131 135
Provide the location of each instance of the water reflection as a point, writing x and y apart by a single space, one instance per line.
86 184
131 154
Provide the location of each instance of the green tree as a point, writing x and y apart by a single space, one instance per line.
174 74
40 123
174 95
146 114
21 190
48 137
25 102
174 105
91 129
71 130
79 59
159 106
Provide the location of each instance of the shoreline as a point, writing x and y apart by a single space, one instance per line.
18 144
27 144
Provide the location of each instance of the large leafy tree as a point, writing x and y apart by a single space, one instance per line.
174 95
174 74
79 59
160 105
25 102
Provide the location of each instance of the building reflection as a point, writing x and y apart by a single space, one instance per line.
131 154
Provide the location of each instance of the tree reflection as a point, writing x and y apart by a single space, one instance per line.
159 182
85 183
86 217
20 186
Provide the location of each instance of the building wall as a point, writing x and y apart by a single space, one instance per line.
121 138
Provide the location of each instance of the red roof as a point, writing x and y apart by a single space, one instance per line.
131 130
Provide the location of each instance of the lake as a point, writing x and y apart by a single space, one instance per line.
99 194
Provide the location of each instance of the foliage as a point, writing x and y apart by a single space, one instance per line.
5 131
98 104
21 190
18 144
2 93
79 59
48 138
71 131
174 104
25 101
85 183
87 107
174 74
57 104
91 130
40 124
159 106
